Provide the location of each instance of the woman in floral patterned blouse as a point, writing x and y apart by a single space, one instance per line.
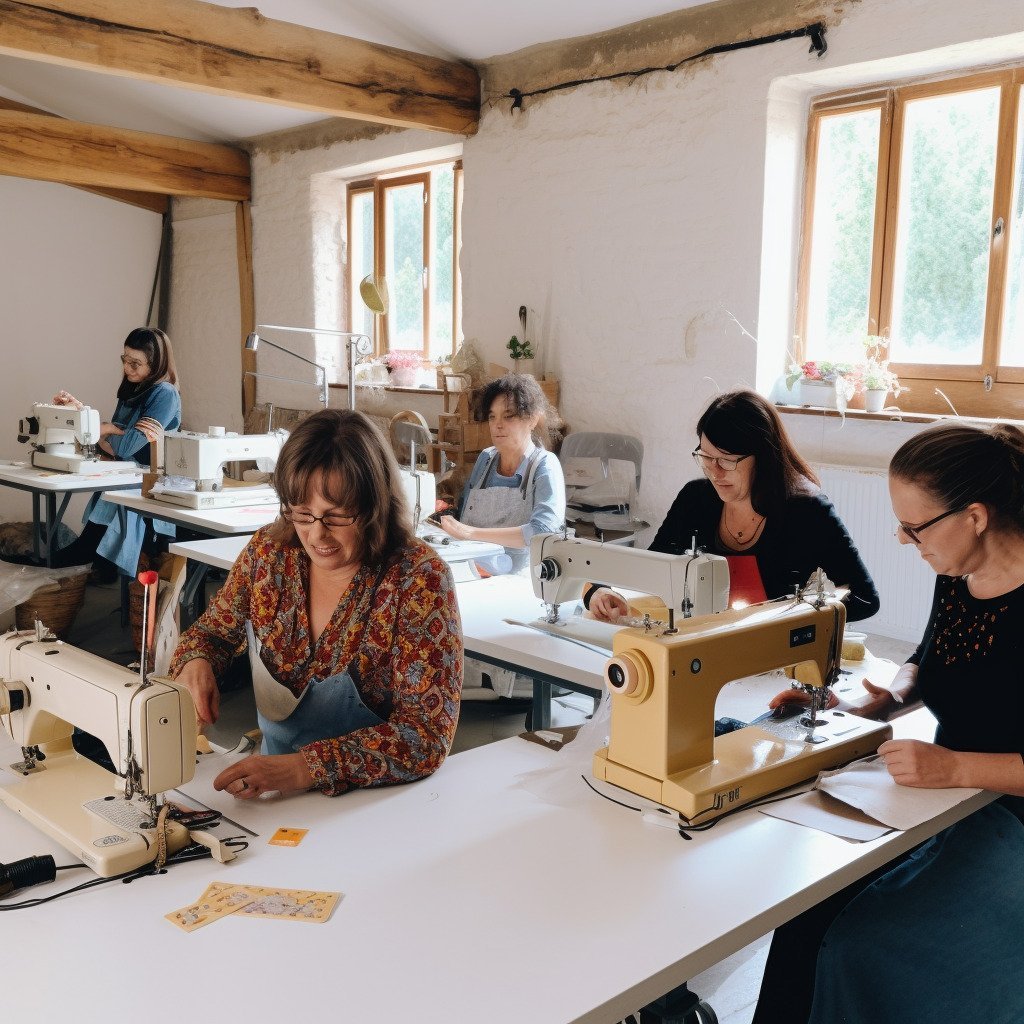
352 625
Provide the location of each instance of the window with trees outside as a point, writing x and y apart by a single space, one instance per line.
405 228
914 232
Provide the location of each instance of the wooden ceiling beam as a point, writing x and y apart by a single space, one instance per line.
238 52
144 200
49 148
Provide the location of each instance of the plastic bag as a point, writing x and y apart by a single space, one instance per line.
19 582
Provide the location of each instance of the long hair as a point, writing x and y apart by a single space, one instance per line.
957 464
357 471
743 423
156 347
525 395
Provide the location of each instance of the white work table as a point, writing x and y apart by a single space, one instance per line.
46 484
214 522
467 898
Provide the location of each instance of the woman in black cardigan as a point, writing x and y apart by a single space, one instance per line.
759 506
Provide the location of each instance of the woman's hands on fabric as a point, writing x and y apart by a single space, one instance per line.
795 695
265 773
921 765
607 606
150 428
460 531
66 398
197 676
877 702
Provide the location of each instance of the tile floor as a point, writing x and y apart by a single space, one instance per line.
730 987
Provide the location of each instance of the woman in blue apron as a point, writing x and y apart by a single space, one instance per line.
937 937
351 625
516 488
148 403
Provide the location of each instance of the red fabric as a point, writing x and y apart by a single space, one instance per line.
745 580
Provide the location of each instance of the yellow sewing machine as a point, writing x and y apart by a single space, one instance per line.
148 727
664 684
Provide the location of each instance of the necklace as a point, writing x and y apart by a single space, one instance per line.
745 536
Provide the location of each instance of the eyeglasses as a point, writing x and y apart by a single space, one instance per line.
726 463
133 364
332 520
913 531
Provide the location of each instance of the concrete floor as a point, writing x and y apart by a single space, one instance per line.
731 987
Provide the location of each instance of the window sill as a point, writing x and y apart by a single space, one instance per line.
389 387
887 416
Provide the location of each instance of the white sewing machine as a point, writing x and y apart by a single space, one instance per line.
67 439
694 583
46 688
664 685
201 457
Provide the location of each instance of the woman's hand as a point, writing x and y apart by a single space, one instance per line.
197 676
265 773
110 429
460 531
921 765
66 398
877 702
150 428
607 606
796 695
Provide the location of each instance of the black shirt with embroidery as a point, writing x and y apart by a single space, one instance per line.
971 668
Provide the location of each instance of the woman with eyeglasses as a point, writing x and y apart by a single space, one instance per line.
351 625
937 936
148 403
758 504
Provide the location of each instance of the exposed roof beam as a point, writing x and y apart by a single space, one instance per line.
49 148
238 52
144 200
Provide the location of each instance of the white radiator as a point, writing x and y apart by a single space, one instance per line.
904 581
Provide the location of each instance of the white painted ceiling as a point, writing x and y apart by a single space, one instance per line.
458 29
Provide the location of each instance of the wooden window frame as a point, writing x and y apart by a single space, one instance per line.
379 187
984 389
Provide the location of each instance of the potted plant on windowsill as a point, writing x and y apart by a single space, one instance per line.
875 378
521 353
404 365
823 384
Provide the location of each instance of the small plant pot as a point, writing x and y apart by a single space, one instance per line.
874 399
818 393
524 366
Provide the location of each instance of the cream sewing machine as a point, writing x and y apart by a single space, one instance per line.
664 684
200 458
67 440
694 583
149 731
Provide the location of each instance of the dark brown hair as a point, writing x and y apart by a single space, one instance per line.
156 347
957 464
358 472
743 423
525 395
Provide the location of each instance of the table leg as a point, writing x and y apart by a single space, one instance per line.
541 714
37 527
191 599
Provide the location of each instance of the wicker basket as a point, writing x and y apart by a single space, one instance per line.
55 605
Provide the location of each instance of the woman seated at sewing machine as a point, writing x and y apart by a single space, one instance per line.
148 403
351 624
936 936
516 488
759 506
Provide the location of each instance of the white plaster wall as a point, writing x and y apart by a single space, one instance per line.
631 220
205 324
75 277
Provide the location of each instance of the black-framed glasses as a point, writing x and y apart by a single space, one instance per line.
726 463
913 531
330 519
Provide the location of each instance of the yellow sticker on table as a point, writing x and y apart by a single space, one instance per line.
287 837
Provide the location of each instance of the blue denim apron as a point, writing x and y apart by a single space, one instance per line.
326 708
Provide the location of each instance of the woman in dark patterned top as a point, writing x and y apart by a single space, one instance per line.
937 937
351 624
760 507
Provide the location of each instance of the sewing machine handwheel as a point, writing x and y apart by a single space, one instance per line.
628 674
